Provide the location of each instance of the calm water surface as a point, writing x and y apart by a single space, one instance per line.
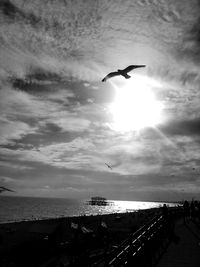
29 208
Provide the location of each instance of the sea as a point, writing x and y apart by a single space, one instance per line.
14 209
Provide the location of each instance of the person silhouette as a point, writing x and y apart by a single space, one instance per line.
186 211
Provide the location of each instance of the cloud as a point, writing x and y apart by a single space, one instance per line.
184 128
86 39
24 114
68 122
5 179
43 40
12 130
60 155
12 165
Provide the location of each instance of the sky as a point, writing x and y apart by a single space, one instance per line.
60 124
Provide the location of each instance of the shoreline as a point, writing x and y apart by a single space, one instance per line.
95 212
72 217
77 217
40 239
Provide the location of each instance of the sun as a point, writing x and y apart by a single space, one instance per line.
135 106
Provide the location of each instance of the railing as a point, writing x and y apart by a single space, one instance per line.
144 247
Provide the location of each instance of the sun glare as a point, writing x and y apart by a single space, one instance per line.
135 106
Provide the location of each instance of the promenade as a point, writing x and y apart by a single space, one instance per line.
161 243
155 244
185 253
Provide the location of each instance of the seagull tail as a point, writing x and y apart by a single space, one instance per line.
126 76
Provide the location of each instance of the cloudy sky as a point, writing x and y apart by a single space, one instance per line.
59 124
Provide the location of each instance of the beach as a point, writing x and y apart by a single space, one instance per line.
64 240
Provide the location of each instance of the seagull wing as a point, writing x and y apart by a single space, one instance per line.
108 166
110 75
2 188
131 67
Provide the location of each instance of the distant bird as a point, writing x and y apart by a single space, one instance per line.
2 189
108 166
122 72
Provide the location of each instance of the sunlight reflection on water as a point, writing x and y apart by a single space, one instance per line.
21 208
117 206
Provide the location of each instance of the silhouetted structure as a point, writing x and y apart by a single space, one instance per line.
98 201
165 210
186 208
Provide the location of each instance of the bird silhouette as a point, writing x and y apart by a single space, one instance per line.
108 166
122 72
2 189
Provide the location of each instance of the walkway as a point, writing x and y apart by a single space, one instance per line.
186 253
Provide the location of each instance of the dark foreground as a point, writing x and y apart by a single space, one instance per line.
103 240
185 253
63 242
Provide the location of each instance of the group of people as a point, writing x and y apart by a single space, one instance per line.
191 211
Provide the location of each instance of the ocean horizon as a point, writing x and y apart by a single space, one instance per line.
15 209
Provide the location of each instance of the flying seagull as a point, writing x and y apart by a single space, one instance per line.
122 72
108 166
2 188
